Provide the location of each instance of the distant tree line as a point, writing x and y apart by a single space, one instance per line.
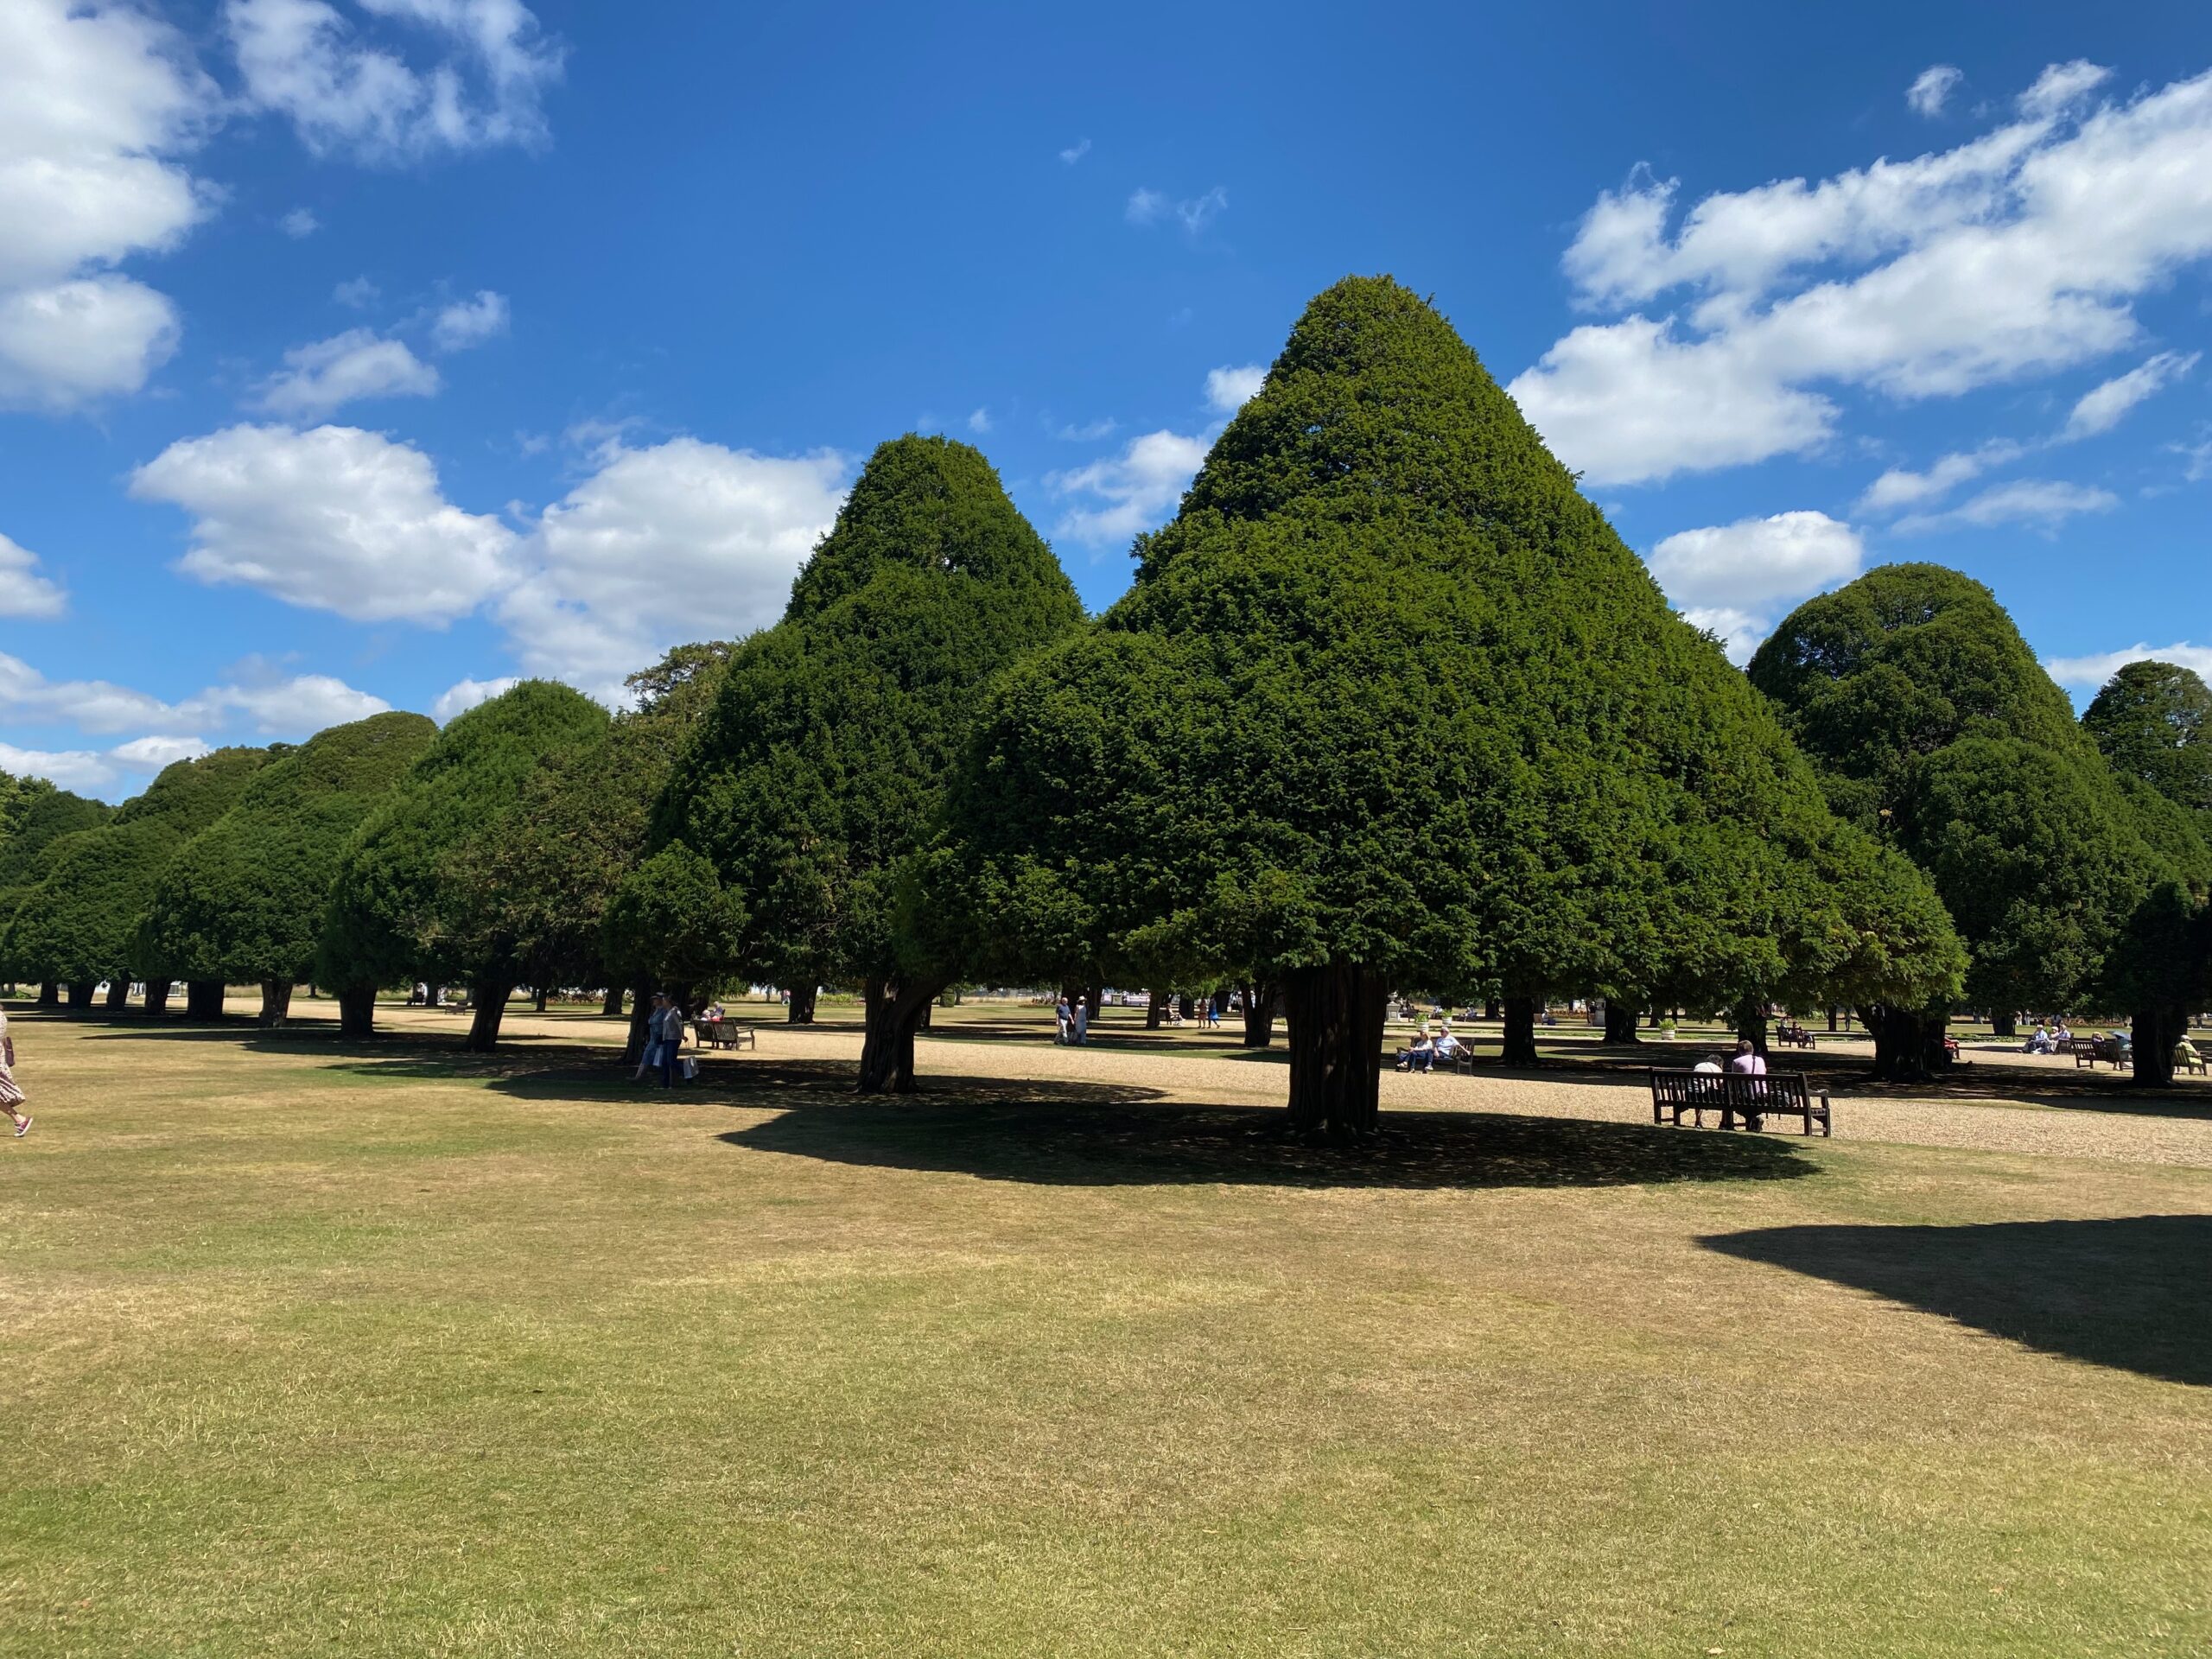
1388 706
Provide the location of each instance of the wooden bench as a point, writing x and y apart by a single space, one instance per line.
2087 1050
1792 1036
1734 1095
727 1033
2183 1064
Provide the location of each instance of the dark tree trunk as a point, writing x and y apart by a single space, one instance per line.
80 995
894 1009
1335 1016
541 999
2157 1029
800 1012
203 999
1620 1022
1260 1002
488 1007
1751 1024
1520 1047
2005 1024
641 1012
1185 1004
1094 999
928 1015
1832 1012
276 1002
1155 1010
1490 1008
118 993
357 1010
1653 1021
157 996
1908 1042
612 1007
49 994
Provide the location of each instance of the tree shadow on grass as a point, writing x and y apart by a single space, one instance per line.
2131 1292
1072 1135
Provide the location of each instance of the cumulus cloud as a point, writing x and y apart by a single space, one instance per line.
1731 578
299 224
96 105
470 322
1229 389
2105 406
2040 504
1901 488
273 705
27 697
152 753
979 420
1931 88
282 706
320 379
2016 254
357 295
478 73
85 771
683 540
1131 492
464 695
334 519
2092 671
23 591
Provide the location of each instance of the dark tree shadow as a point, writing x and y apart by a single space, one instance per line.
1082 1136
2133 1293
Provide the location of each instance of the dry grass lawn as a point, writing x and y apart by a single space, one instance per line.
317 1348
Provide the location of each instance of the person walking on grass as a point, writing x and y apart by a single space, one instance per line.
12 1095
654 1023
1062 1022
672 1040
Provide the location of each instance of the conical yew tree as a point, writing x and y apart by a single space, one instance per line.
391 917
819 773
1390 703
243 903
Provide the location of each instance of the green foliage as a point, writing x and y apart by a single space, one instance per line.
1391 692
245 901
392 917
820 770
44 816
2153 722
16 796
672 920
1934 724
80 921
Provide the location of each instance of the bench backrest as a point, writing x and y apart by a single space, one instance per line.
1787 1090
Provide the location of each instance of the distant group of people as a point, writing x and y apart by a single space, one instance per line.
2046 1039
1429 1049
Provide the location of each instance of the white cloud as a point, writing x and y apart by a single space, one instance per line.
322 378
470 322
1740 632
23 591
2017 254
2092 671
464 695
334 519
27 697
1147 206
684 540
345 93
979 420
1090 432
274 706
301 704
2197 457
96 105
2061 84
299 224
1900 487
358 295
1076 151
83 770
2104 407
2040 504
1229 388
1131 492
1749 565
1931 88
152 753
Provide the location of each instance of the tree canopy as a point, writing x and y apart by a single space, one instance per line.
245 900
1390 703
2153 722
819 772
79 922
391 915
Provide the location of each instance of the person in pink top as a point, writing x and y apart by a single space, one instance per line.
1748 1062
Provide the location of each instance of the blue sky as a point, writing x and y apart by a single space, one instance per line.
372 353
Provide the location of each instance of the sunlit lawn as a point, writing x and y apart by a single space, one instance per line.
380 1350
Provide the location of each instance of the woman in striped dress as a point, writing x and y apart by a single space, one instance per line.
10 1096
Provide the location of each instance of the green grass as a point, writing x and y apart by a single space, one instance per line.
313 1350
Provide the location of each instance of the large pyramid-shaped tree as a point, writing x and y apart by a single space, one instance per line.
1931 719
1391 705
243 903
820 772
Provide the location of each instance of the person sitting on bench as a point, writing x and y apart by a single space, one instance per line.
1421 1056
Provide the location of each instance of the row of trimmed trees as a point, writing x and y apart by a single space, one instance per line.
1389 704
